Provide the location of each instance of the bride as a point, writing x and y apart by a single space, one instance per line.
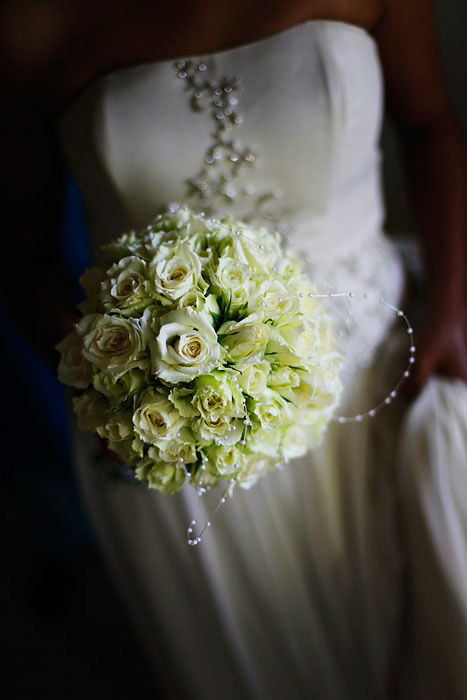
344 575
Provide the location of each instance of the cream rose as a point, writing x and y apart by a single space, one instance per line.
163 476
118 387
156 420
229 273
268 409
185 347
253 378
265 442
176 269
127 287
224 461
253 468
177 451
296 440
217 427
74 369
91 281
274 299
113 342
216 394
246 340
117 426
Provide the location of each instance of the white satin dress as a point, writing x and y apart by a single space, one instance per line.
343 575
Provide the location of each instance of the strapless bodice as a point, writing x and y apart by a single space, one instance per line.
310 98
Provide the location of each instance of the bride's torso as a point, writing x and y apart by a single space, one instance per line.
310 99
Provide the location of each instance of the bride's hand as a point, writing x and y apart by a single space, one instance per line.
441 349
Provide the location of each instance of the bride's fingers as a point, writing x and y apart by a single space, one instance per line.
442 352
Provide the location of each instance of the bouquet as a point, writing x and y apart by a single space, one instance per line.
203 353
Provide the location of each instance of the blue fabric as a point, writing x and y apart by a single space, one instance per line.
37 477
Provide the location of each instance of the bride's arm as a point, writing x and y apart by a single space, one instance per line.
433 149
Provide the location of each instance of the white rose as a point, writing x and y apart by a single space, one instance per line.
296 440
229 273
127 287
320 387
224 461
253 378
268 409
289 267
254 467
239 298
117 426
253 247
193 298
216 394
246 340
129 243
286 346
274 299
73 368
185 347
283 377
118 387
176 269
176 451
114 342
156 420
198 302
163 476
217 427
264 442
91 281
308 428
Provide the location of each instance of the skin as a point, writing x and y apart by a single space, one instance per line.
51 51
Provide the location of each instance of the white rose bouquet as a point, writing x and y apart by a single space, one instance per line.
203 353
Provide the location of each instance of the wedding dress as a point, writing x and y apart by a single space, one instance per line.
343 575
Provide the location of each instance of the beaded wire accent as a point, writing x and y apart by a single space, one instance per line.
217 183
221 179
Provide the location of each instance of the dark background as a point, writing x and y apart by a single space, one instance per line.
64 631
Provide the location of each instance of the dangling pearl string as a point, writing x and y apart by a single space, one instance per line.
189 531
358 418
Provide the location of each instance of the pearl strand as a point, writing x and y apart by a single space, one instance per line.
388 399
193 541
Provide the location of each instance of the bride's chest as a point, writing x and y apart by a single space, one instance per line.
301 112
